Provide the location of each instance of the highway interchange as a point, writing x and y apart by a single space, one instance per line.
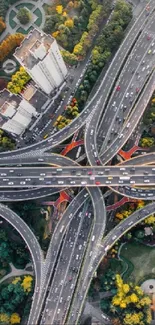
79 241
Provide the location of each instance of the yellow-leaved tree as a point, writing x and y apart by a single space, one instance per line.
59 9
4 318
27 283
15 318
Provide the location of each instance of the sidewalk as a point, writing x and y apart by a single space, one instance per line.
16 272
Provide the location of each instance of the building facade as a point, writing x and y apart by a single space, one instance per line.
39 54
15 113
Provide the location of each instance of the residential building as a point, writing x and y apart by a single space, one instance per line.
15 113
39 54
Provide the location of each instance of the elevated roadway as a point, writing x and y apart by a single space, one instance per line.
32 244
76 176
107 243
102 92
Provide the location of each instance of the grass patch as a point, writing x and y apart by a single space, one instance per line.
38 13
140 259
23 31
25 4
12 15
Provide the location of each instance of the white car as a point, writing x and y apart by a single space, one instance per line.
22 183
10 183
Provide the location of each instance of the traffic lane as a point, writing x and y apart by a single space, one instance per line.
28 237
117 231
66 255
27 194
54 246
125 80
119 57
136 193
134 119
97 232
73 126
77 171
68 289
126 102
103 180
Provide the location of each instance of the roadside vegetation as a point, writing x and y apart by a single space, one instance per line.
124 269
15 299
148 136
107 43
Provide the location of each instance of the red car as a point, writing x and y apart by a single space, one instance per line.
137 90
118 88
97 183
90 172
98 162
148 37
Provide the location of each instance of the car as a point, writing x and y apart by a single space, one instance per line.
91 132
132 182
42 174
40 159
10 183
11 170
143 69
137 90
118 88
83 183
60 182
28 179
150 51
108 182
127 94
22 183
120 182
90 172
146 181
3 174
120 136
97 183
148 37
19 174
72 182
98 162
114 103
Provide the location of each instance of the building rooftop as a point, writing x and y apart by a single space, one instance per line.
35 97
8 101
33 48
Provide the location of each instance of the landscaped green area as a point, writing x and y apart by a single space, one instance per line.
23 31
25 4
142 258
11 17
38 13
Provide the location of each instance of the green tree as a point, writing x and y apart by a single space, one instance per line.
23 16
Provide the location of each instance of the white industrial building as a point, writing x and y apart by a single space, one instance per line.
15 113
39 54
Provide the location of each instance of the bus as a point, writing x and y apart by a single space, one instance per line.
78 152
62 228
124 178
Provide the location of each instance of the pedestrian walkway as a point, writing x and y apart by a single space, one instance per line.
16 272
